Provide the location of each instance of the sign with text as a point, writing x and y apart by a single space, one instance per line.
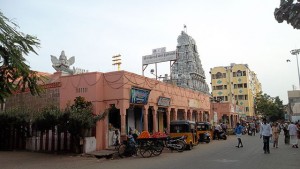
139 96
194 103
159 57
158 50
163 101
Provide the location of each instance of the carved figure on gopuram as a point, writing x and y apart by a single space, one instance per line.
187 71
63 64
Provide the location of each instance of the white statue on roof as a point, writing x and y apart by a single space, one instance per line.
63 64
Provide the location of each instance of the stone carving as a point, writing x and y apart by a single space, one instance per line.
289 12
63 64
187 71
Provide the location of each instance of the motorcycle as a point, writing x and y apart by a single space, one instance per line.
176 143
222 135
204 137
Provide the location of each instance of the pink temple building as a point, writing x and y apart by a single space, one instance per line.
138 102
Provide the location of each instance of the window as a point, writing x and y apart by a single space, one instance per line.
247 109
241 97
81 90
245 85
224 75
240 86
225 86
246 97
235 86
226 98
244 73
239 73
219 87
234 74
219 75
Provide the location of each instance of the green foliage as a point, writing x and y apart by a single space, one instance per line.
15 74
270 107
80 116
14 117
80 119
47 118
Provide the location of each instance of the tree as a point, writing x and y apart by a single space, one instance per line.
289 12
46 120
81 119
268 106
14 128
15 74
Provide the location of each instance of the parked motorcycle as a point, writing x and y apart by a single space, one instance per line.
204 137
176 143
222 135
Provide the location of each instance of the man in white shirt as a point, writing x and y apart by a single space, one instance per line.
217 130
292 128
266 133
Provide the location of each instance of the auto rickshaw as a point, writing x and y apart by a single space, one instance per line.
186 128
204 132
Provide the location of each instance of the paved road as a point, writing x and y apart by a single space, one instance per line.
218 154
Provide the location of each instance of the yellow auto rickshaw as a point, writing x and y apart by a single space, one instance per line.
204 132
185 128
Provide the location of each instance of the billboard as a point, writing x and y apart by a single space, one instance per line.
139 96
163 101
159 50
159 57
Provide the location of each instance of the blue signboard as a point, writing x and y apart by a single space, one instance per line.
139 96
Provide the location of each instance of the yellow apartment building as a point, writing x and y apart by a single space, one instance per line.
236 84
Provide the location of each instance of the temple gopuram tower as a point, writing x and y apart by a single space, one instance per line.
187 71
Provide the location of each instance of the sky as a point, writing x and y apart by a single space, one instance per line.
225 31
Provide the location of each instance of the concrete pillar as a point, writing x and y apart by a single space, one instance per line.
168 119
200 116
185 114
154 112
123 107
145 112
190 113
175 114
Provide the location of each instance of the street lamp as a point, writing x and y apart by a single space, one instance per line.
296 52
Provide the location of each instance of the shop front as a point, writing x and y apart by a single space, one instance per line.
134 102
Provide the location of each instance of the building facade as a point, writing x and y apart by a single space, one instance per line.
236 84
293 107
135 101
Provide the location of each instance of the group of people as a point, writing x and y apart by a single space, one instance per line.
270 133
218 129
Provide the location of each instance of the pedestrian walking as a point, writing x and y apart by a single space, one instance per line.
238 132
275 134
286 134
298 133
266 133
293 134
